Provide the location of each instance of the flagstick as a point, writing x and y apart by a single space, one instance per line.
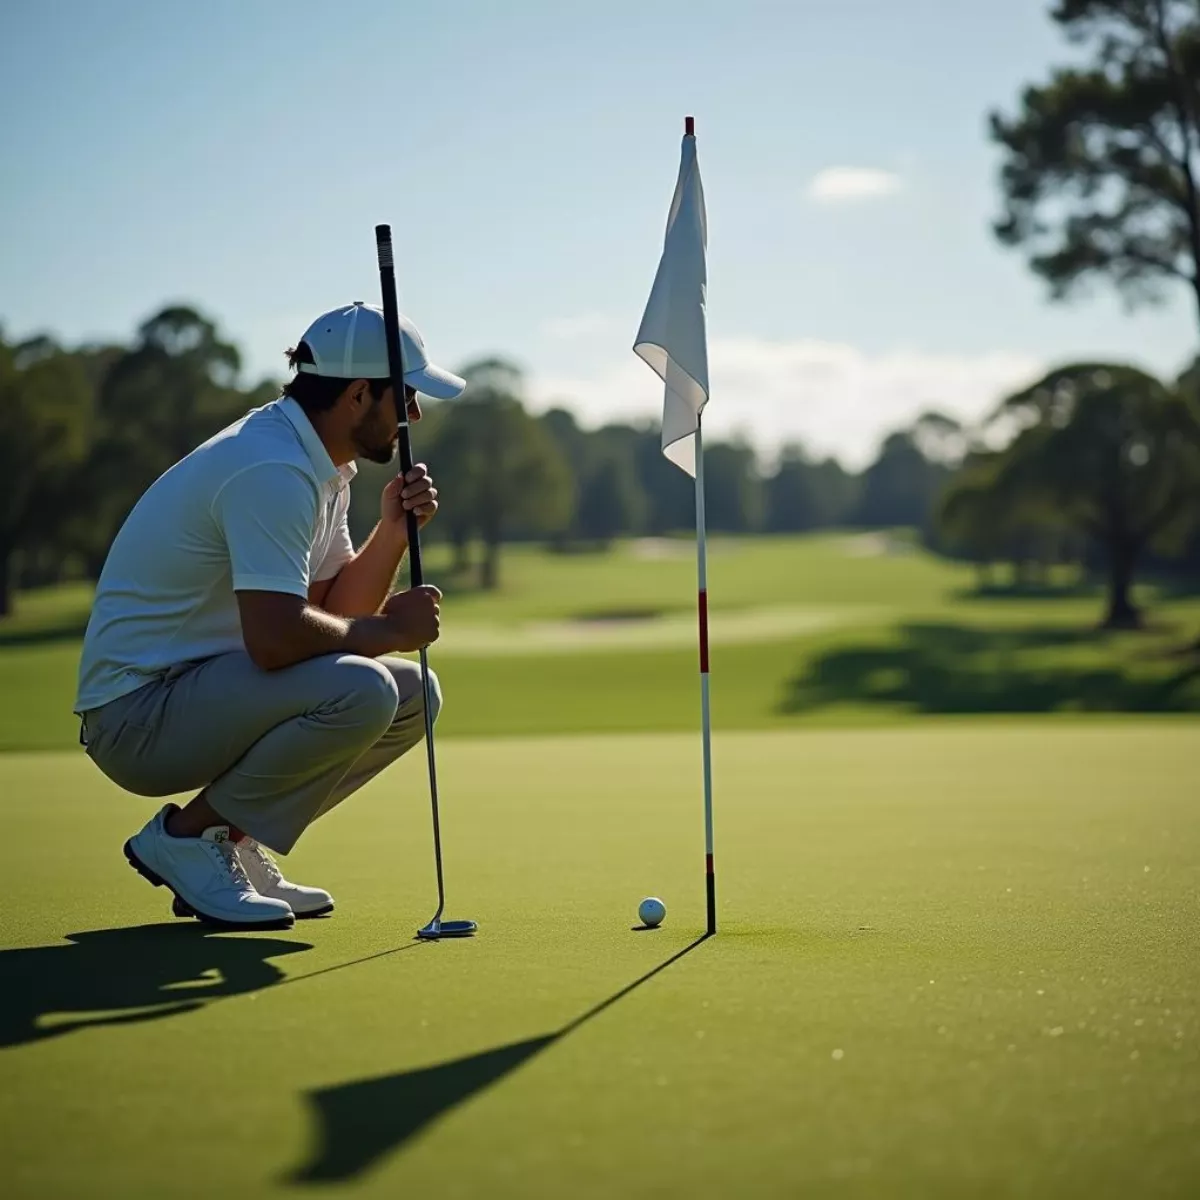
710 877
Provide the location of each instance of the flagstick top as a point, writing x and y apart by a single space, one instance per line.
689 126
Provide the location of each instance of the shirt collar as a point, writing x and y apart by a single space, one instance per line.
313 446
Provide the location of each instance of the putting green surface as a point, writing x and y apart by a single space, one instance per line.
956 960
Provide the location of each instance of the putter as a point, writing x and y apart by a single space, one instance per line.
437 928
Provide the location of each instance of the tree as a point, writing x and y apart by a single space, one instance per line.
790 500
1101 166
1114 453
802 494
983 516
1188 385
45 407
611 501
500 465
900 487
733 500
940 438
670 494
574 442
169 392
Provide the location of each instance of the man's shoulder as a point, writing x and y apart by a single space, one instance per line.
262 438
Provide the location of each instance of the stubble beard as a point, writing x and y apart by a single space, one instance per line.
372 445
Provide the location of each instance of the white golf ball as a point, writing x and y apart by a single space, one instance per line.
651 911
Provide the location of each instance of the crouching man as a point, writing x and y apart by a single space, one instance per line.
238 642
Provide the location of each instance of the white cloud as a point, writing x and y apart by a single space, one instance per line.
582 326
836 185
833 397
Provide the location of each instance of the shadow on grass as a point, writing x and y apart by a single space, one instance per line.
67 630
944 668
142 973
1082 589
361 1122
1179 587
123 976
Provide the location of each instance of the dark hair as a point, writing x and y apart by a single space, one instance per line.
318 393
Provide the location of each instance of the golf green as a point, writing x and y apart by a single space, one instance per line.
954 960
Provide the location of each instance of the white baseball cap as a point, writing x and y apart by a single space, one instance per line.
350 343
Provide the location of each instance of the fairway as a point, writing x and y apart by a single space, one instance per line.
956 959
806 631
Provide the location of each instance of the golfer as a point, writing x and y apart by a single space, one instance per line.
238 642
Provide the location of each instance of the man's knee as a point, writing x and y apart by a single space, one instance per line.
406 676
435 695
369 688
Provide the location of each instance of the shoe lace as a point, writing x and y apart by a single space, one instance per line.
262 860
224 853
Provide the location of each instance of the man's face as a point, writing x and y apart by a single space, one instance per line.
377 430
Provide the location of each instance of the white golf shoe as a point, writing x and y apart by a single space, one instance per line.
206 876
268 880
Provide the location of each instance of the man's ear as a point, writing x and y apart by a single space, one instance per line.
359 393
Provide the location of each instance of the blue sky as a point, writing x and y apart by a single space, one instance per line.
237 153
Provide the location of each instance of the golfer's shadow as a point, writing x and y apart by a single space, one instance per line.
123 976
360 1123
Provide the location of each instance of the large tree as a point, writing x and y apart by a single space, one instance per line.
1111 452
1101 168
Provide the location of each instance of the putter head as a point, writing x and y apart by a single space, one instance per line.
437 929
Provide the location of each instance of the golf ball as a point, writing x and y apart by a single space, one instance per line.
651 911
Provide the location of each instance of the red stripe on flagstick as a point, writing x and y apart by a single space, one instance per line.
703 633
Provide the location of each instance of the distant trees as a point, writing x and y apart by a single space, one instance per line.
83 432
500 468
45 412
1094 463
1101 166
901 486
158 400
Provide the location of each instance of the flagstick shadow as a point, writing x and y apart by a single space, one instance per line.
592 1013
361 1122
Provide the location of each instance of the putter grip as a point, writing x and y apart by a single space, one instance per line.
383 247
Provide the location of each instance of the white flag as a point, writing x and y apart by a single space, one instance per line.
673 337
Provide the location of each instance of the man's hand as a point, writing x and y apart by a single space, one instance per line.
413 492
414 616
361 586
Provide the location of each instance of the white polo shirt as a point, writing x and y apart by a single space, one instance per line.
259 507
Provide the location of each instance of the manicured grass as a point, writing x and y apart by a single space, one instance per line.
805 630
954 961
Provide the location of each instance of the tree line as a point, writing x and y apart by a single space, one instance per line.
85 430
1096 464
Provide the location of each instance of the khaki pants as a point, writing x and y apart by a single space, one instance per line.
273 750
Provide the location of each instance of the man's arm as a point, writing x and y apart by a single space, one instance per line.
280 629
362 585
266 513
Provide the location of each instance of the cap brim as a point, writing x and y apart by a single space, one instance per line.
434 382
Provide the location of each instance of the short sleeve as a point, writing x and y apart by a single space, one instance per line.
339 552
267 513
